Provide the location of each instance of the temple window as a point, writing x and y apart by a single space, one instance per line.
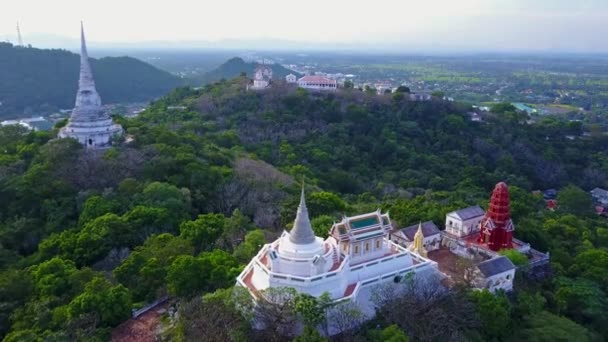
357 249
377 244
367 246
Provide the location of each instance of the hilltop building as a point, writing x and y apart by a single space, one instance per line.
421 95
317 83
363 252
262 77
474 230
494 274
357 254
89 123
291 78
38 123
464 221
600 197
472 233
475 117
382 87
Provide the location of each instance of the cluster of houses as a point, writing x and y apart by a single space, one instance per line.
262 79
38 123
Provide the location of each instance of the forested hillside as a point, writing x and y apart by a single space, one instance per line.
236 66
36 80
84 237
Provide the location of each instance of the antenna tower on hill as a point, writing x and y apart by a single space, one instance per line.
19 39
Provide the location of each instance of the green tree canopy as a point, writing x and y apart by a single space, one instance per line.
545 327
503 107
189 275
494 312
52 277
516 257
574 200
322 224
324 203
204 231
254 241
112 304
391 333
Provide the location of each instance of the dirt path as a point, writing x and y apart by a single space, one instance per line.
140 329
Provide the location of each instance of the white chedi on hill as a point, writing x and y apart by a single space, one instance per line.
356 255
262 77
89 124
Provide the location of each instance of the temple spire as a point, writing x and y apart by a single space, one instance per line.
89 123
497 226
302 232
86 81
418 243
88 103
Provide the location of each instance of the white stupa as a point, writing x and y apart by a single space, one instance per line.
262 77
89 124
357 254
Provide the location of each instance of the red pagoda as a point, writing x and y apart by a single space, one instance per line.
496 226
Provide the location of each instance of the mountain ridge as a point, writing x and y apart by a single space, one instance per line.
235 66
36 81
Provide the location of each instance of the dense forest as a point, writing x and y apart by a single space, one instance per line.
236 66
40 81
87 237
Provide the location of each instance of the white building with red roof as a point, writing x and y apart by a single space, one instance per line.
317 82
358 254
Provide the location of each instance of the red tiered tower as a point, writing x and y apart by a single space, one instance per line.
497 227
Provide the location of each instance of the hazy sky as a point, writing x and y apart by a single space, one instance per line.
564 25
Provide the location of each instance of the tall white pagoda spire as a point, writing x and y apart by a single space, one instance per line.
88 101
89 124
302 233
86 81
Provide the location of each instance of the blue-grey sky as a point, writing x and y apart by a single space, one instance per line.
535 25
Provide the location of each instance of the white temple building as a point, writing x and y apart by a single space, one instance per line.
89 124
356 255
262 77
494 274
464 221
317 83
291 78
